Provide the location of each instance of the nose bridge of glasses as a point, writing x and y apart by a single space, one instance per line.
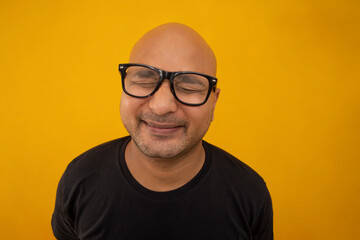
166 75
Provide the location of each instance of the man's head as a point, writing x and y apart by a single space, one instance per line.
161 126
175 47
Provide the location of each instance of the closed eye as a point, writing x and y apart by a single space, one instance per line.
184 90
144 84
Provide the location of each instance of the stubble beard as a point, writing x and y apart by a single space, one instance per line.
162 146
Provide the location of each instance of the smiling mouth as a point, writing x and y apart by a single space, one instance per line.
162 125
162 128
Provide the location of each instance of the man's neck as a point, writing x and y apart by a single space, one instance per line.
164 174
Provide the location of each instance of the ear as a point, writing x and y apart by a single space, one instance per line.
216 97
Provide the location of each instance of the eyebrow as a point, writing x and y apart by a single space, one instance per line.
145 72
188 79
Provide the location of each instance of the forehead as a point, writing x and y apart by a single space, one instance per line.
174 51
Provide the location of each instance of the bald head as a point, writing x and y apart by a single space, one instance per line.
174 47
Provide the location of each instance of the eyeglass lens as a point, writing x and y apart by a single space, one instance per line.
189 88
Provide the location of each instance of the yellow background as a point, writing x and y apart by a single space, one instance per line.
289 72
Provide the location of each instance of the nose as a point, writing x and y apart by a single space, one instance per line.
163 101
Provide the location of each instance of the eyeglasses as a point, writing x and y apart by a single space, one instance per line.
189 88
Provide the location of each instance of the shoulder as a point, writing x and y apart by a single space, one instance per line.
225 160
97 153
97 161
236 173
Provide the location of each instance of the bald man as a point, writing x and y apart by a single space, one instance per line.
163 181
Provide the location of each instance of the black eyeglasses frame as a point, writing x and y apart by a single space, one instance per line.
166 75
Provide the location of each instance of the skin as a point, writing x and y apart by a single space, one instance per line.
165 151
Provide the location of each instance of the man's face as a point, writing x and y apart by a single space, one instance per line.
160 126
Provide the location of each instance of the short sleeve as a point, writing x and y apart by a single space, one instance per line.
263 227
61 224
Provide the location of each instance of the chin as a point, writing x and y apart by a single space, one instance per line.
157 149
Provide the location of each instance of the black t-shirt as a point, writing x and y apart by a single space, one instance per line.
98 199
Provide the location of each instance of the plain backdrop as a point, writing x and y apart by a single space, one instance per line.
289 106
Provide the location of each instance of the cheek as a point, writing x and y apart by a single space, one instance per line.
199 118
129 106
124 106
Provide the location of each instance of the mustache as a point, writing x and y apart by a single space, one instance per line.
167 118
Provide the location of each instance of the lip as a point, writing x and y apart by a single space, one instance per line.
162 128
